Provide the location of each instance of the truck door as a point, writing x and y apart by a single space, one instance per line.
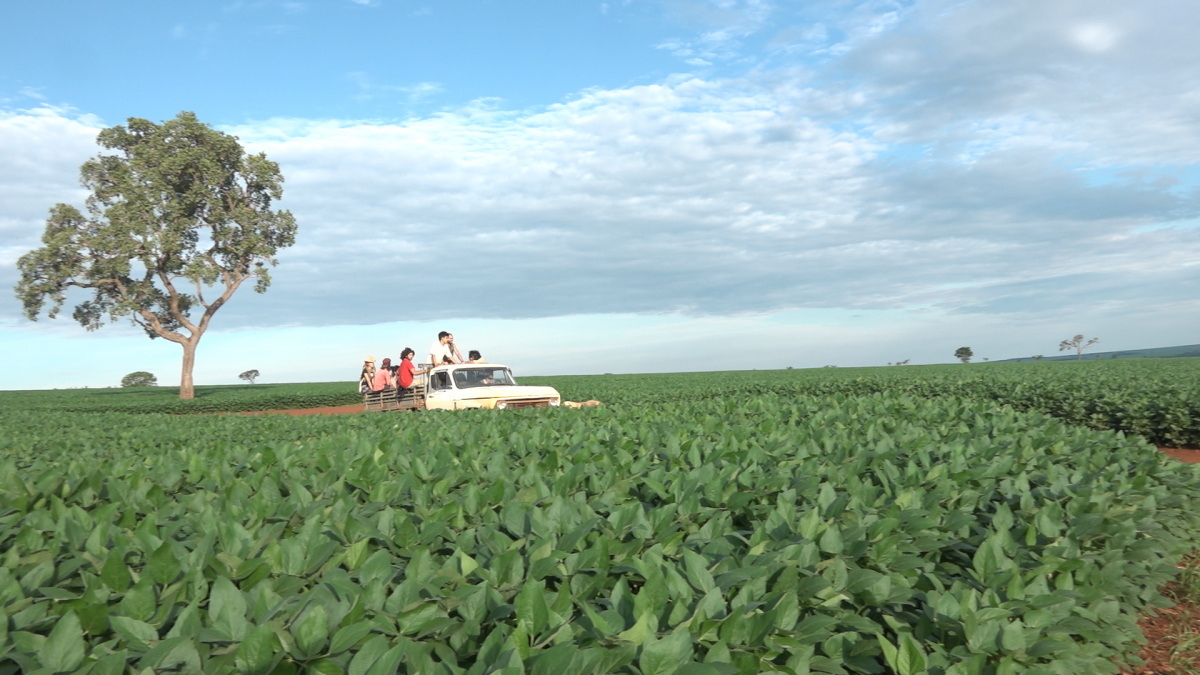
439 393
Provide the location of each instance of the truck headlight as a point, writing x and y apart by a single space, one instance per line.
554 402
501 405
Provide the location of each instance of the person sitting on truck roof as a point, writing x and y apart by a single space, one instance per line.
439 353
406 369
383 377
453 350
475 356
368 375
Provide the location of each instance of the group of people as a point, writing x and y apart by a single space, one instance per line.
400 376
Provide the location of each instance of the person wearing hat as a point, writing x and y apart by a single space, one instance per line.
383 377
368 375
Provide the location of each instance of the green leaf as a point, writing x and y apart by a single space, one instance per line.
695 566
311 631
326 667
665 656
555 661
138 634
1013 636
910 659
227 609
640 631
64 648
356 554
890 652
532 612
389 662
115 574
187 624
349 636
164 567
813 629
113 664
140 601
831 541
256 653
368 655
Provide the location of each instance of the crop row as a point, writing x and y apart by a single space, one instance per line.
714 535
1158 399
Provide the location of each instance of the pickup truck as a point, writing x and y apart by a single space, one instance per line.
462 386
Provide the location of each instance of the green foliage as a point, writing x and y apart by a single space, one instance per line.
208 400
1158 399
709 532
140 378
249 376
963 354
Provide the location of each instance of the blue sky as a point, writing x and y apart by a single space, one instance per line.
636 186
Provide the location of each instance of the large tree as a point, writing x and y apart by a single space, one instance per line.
177 210
1078 343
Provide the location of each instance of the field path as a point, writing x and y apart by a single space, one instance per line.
336 410
1189 455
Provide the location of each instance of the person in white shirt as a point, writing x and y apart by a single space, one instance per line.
439 352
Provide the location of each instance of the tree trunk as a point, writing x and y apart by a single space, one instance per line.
187 390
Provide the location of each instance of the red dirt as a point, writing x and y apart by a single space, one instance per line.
1188 455
1171 629
337 410
1163 633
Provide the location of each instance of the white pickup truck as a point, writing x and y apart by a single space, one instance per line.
462 386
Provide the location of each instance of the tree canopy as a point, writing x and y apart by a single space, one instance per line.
140 378
964 354
1078 343
179 216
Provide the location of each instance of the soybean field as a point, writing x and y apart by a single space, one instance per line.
1008 518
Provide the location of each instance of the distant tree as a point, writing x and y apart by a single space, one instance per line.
175 208
1077 343
1036 358
986 359
249 376
964 354
139 379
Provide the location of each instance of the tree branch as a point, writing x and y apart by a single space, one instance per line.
174 307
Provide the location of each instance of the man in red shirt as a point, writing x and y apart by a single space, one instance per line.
406 368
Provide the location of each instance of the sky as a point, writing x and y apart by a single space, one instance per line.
639 185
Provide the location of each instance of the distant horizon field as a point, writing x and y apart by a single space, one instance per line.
1179 351
1156 398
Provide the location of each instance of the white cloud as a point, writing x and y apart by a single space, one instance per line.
1056 76
1095 37
966 159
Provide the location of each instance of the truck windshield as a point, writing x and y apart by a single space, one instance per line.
465 378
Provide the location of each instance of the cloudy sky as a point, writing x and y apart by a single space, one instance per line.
641 185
